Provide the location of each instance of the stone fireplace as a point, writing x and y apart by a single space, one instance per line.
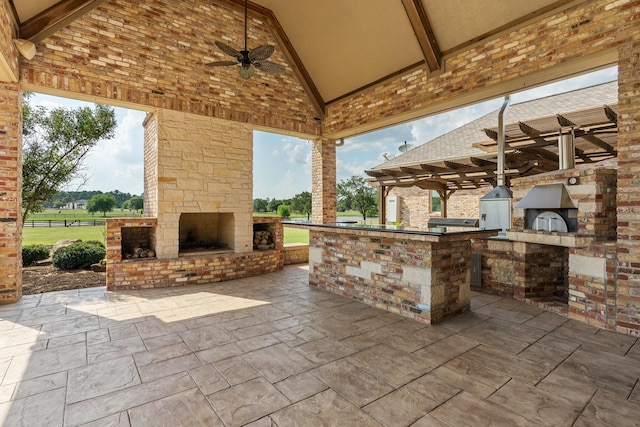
198 208
205 232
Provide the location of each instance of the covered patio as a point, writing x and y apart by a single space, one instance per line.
271 351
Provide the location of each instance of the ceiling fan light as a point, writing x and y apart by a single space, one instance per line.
246 72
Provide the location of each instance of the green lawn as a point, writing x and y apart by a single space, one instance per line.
50 235
71 214
296 235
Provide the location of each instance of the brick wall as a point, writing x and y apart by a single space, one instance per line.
592 290
152 53
417 276
594 196
150 166
10 193
296 253
627 271
497 266
7 48
552 41
185 270
416 205
323 181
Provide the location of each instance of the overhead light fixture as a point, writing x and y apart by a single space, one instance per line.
26 48
246 71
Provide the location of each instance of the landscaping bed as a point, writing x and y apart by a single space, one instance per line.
46 278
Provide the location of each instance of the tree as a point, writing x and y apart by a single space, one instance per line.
101 203
283 211
260 205
356 192
136 203
274 203
54 144
301 203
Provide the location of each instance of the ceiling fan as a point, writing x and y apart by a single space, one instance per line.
248 59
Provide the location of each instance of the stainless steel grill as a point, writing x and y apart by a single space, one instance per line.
452 222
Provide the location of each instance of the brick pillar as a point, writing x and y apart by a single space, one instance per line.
10 193
627 274
323 181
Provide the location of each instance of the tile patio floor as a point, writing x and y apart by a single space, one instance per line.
271 351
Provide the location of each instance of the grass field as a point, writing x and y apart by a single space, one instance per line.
49 236
295 235
71 214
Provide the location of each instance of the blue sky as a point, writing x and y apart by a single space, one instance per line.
283 166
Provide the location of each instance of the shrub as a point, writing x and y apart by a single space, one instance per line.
33 253
283 211
78 255
95 242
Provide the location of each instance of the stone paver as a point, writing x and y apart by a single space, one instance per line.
270 350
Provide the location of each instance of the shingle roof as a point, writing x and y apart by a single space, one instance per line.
459 142
587 108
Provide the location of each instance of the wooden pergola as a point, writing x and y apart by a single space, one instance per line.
531 147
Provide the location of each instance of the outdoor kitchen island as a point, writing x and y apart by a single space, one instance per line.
422 274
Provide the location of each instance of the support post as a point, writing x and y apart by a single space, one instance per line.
323 181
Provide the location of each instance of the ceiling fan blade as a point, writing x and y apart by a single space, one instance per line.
261 53
229 50
221 63
269 67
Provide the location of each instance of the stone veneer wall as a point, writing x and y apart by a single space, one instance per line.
201 167
592 290
185 270
400 274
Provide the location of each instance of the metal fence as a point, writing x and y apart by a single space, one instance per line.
63 222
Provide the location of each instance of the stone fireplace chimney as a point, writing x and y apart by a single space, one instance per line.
198 168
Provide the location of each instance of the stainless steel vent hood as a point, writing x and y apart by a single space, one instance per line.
500 192
547 196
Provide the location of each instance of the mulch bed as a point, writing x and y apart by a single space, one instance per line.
46 278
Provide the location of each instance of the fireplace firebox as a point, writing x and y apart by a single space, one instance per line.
206 232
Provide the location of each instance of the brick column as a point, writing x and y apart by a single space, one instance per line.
627 274
323 181
10 193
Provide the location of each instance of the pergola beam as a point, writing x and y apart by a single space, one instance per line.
586 135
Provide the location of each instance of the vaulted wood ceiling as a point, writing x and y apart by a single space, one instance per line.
339 47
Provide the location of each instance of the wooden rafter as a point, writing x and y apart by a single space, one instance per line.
586 135
54 18
612 116
424 33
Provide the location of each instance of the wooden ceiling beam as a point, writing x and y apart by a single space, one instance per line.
54 18
424 33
